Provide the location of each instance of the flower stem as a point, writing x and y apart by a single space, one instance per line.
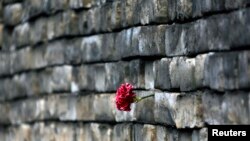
141 98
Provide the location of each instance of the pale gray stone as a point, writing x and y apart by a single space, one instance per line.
38 31
122 132
162 76
13 14
104 107
144 132
21 35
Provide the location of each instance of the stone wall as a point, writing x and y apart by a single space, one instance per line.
61 62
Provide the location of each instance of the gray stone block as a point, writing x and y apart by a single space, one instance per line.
179 110
72 51
185 136
99 77
162 133
162 76
34 8
143 12
5 63
214 72
1 36
105 18
38 31
54 52
243 69
134 73
149 75
130 13
174 73
123 42
144 110
109 52
100 132
5 87
56 5
186 69
144 132
189 111
7 45
160 11
117 15
212 108
83 77
234 108
101 112
60 26
203 134
93 19
84 108
22 59
175 40
13 14
229 108
122 132
164 107
60 78
21 35
184 9
200 70
113 79
147 41
92 48
71 22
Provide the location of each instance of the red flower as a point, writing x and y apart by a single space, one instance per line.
124 97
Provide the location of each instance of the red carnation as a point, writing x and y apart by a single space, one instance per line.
124 97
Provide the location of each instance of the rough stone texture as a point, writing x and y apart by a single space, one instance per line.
61 62
179 110
13 14
229 108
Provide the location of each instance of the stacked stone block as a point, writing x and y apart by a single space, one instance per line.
61 62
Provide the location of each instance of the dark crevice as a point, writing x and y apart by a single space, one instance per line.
108 122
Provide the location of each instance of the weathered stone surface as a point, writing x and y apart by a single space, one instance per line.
13 14
179 110
113 79
200 70
162 77
38 32
71 21
190 38
230 108
149 75
145 41
182 69
160 11
122 132
101 112
144 110
135 73
1 35
22 35
5 63
92 48
227 71
54 53
144 132
72 51
7 38
117 15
